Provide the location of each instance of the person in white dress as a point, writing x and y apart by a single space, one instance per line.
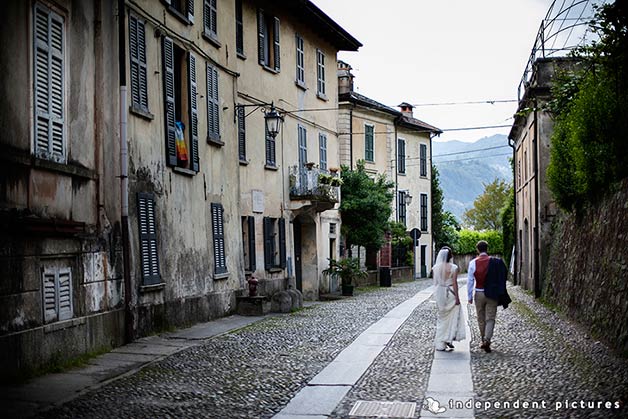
450 326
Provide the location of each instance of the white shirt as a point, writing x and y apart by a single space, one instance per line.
471 278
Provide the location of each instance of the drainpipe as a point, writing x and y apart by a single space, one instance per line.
124 177
351 136
511 143
537 279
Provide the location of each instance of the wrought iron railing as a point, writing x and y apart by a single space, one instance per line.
314 184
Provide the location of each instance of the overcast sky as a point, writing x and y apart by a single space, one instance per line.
435 51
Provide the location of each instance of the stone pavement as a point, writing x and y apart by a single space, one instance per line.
367 356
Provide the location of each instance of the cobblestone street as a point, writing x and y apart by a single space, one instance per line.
254 372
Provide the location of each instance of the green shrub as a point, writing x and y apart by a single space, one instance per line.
467 240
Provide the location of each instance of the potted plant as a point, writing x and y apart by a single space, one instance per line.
325 179
310 165
347 270
336 181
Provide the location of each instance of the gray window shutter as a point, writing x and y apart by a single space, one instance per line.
168 64
268 246
210 16
193 111
49 295
241 134
137 46
65 294
271 150
322 143
191 10
220 261
147 225
213 115
214 17
261 37
282 243
251 226
49 83
277 52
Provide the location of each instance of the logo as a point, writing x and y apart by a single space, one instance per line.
433 406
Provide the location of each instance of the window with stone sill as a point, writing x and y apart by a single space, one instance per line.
183 9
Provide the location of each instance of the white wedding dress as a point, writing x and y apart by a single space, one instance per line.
450 326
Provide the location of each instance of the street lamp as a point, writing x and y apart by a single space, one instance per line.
408 198
273 120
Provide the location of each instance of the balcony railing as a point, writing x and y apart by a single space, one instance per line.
313 184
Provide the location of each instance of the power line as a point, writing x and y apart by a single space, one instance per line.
474 102
473 158
426 130
470 151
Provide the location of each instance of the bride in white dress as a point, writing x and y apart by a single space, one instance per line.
450 326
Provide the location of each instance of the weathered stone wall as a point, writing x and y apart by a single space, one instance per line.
587 273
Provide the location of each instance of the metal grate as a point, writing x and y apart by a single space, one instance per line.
385 409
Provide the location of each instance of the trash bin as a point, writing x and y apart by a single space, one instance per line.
385 279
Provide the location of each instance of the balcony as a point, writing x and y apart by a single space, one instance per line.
314 185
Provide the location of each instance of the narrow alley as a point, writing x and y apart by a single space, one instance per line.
367 356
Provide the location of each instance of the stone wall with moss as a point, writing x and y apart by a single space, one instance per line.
587 273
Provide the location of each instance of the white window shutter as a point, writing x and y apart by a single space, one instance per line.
49 296
65 294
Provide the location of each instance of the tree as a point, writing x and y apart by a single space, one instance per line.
445 226
508 226
365 207
485 214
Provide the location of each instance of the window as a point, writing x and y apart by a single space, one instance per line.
218 233
213 118
300 61
271 158
423 212
183 9
49 84
401 155
268 40
137 46
241 134
181 112
210 19
57 294
302 139
147 225
423 159
401 207
239 29
332 229
322 146
248 243
274 243
320 74
369 152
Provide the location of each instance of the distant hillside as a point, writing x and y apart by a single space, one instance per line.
464 172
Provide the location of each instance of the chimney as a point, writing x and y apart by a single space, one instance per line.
406 109
345 78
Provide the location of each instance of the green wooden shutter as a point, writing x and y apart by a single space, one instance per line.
282 243
277 51
193 111
268 246
213 115
220 260
251 244
261 37
49 84
169 92
241 134
147 225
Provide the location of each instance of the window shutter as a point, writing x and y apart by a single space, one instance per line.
239 27
191 10
210 15
137 45
213 121
49 83
282 243
147 225
261 38
268 262
276 44
271 158
241 134
193 110
168 61
49 295
251 226
65 294
322 140
220 265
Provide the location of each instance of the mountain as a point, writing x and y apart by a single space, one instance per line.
466 167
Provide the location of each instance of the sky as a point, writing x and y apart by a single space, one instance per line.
441 51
